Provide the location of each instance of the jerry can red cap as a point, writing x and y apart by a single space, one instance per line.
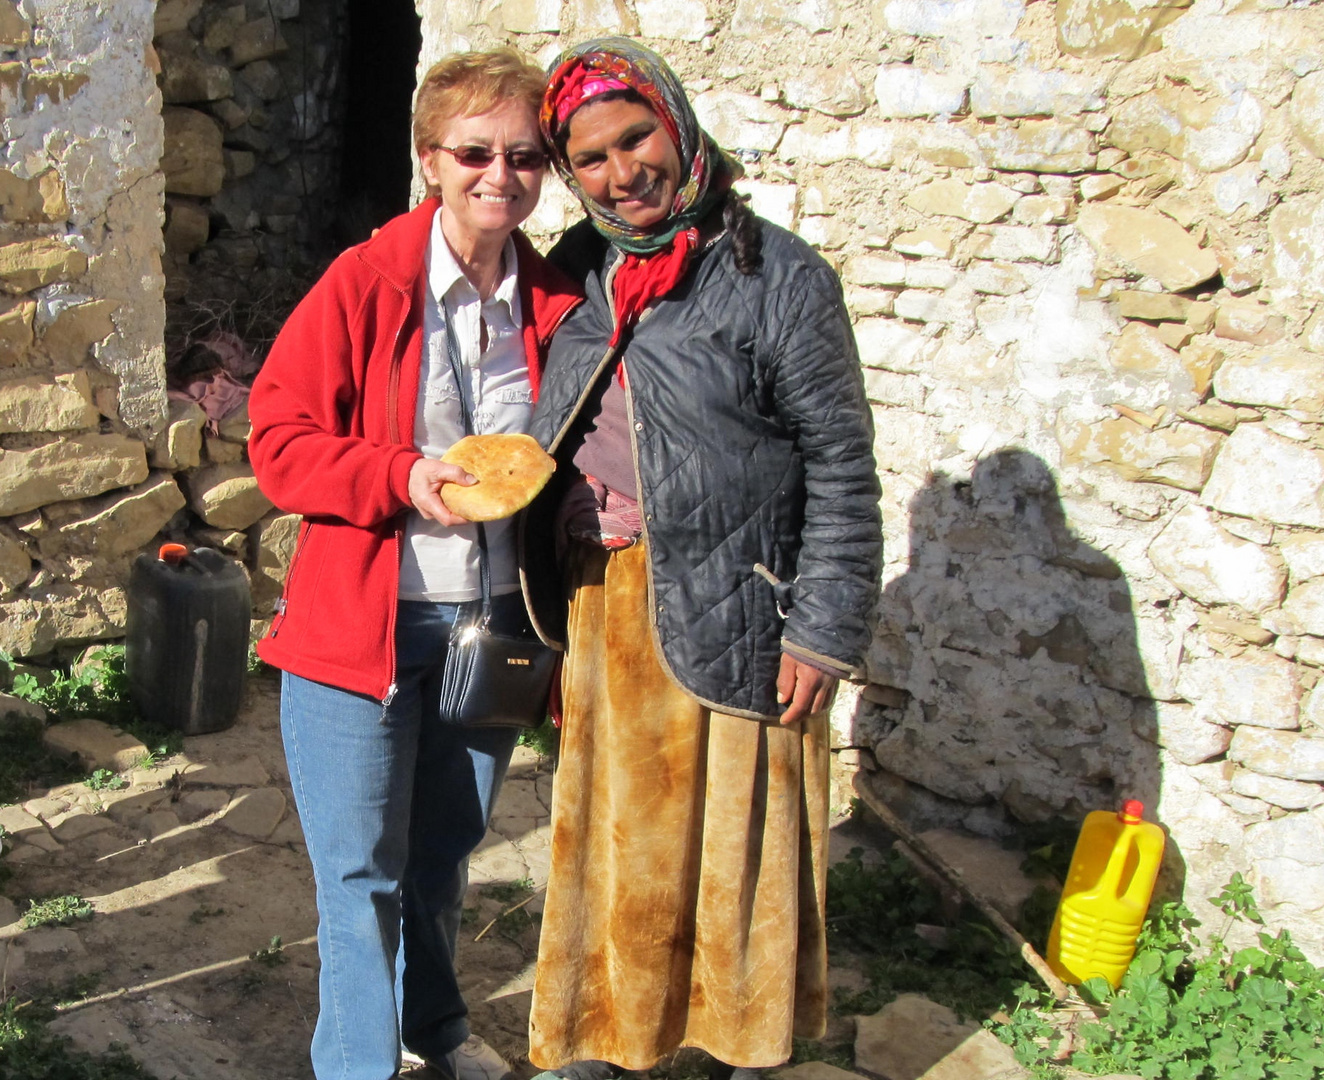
172 554
1133 811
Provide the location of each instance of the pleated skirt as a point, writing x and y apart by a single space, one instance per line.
685 903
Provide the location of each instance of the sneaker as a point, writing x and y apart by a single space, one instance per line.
473 1059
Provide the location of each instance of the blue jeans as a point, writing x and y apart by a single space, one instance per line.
392 801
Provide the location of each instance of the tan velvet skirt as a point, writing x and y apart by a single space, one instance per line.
685 904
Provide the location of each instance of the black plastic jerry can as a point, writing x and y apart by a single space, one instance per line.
186 648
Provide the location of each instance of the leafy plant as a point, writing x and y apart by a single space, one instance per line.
29 1051
57 910
543 739
507 891
105 780
1186 1011
272 955
96 686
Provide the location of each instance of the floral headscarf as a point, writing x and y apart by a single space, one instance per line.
614 63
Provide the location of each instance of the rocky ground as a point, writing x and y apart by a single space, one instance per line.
198 864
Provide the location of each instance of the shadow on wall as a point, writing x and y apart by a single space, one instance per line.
1012 687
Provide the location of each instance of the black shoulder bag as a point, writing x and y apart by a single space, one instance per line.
497 672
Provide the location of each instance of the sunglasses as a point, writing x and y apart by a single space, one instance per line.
480 157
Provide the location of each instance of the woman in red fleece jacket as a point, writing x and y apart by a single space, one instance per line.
355 404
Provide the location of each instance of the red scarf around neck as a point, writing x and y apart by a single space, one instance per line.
642 279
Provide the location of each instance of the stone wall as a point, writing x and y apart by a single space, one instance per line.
82 388
96 464
1081 242
250 90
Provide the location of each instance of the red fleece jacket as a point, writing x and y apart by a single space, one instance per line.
333 440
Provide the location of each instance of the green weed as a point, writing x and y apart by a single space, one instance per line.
1187 1010
96 685
105 780
271 955
57 911
29 1051
886 913
507 892
543 739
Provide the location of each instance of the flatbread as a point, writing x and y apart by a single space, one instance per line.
510 470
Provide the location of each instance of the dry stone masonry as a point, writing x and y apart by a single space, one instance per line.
1082 244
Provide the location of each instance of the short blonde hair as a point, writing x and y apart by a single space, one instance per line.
470 83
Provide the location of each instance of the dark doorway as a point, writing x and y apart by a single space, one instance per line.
381 57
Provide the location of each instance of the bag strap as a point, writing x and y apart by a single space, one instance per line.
457 369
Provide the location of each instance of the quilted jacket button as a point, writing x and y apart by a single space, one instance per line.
638 425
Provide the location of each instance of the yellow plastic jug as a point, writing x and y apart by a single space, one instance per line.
1107 893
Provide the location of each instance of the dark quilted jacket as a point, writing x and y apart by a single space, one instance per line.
754 448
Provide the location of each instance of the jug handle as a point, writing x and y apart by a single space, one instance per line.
1111 878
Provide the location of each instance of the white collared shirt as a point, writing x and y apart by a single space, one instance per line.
441 563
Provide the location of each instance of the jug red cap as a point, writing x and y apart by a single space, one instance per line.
173 554
1133 811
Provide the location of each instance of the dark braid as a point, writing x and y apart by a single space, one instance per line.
746 236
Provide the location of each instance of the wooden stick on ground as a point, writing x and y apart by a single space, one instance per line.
513 907
949 873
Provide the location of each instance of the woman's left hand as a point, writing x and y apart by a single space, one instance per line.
802 688
425 481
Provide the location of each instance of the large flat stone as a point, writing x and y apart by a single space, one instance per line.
1261 475
980 203
1033 91
193 162
679 20
1215 567
1296 245
227 496
913 1037
907 90
1179 456
1041 146
1114 29
122 526
1288 754
1307 112
73 468
34 625
66 341
1288 794
1254 689
95 744
757 18
1283 377
1304 553
255 812
1288 854
36 404
959 19
29 264
1148 243
740 121
1305 606
1188 736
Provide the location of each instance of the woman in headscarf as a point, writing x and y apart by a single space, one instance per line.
716 519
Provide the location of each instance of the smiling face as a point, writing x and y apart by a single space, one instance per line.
624 160
483 205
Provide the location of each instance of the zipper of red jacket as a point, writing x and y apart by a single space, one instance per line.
393 434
